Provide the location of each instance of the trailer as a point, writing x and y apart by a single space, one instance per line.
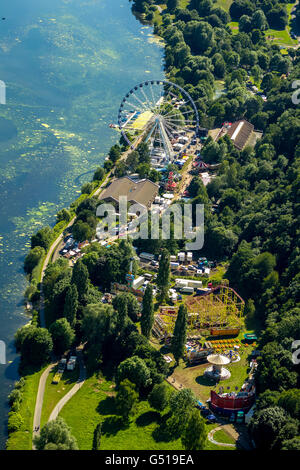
147 256
138 282
187 290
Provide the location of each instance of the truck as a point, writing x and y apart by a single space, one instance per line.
147 256
173 258
174 265
189 256
181 257
187 290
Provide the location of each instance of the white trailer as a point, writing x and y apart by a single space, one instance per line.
181 282
194 284
187 290
138 282
147 256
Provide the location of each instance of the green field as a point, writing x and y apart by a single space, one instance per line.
94 401
22 439
224 4
193 378
54 392
222 437
282 38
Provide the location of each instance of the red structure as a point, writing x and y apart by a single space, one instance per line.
230 403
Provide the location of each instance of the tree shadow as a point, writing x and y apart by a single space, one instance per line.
147 418
112 425
107 406
162 433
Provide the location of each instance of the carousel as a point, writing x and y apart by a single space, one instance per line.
216 370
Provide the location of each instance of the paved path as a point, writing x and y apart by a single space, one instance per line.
71 393
222 444
40 399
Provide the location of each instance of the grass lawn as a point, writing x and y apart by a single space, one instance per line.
234 26
282 38
223 437
224 4
22 439
54 392
183 3
193 378
94 403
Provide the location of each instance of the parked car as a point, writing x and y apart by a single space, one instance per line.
211 418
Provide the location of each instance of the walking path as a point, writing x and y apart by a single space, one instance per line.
63 401
40 399
69 395
232 434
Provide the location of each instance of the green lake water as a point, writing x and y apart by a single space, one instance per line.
66 65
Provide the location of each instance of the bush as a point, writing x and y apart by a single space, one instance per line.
14 396
15 421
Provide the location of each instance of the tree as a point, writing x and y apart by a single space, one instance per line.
80 277
97 437
265 426
33 258
259 21
179 334
195 434
71 304
99 174
147 318
159 397
133 306
114 153
87 188
82 231
64 215
126 399
143 169
181 404
132 160
42 238
144 152
135 370
56 432
172 5
62 335
121 305
163 276
35 344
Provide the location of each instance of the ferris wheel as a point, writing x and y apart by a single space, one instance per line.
160 113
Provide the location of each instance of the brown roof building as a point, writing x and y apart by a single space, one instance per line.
240 132
140 192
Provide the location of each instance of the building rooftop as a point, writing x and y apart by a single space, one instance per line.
240 132
141 192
